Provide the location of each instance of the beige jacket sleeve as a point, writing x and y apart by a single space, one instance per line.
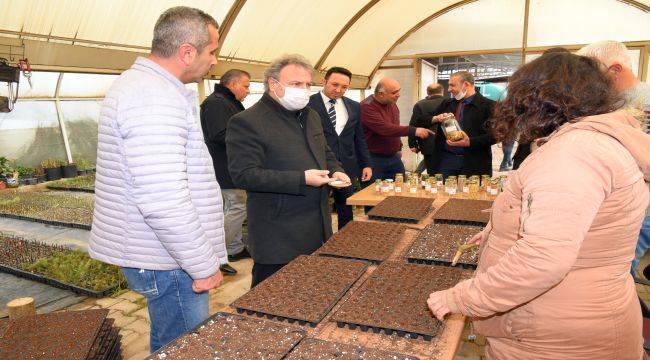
560 199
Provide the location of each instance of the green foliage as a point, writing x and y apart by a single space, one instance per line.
5 166
52 163
77 268
86 182
25 171
83 164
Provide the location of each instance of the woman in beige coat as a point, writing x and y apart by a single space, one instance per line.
553 280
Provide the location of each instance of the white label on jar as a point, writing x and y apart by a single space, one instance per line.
377 188
493 191
434 190
465 189
450 128
413 190
385 189
427 187
439 183
398 189
452 191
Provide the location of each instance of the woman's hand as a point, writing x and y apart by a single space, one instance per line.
437 303
477 239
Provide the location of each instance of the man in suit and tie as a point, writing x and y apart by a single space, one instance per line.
341 119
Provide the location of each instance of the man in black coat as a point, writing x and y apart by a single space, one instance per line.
341 120
424 110
277 152
472 155
216 111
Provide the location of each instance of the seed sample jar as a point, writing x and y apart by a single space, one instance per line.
451 128
439 179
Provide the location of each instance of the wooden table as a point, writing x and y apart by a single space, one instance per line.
369 197
444 346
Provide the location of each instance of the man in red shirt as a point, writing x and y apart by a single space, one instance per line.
382 129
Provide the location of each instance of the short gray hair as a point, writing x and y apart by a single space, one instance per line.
180 25
233 75
464 76
379 88
607 52
273 71
434 89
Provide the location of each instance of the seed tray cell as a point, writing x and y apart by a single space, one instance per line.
233 337
437 244
305 290
314 349
402 209
393 300
464 212
364 240
62 335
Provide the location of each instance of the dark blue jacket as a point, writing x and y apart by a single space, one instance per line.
350 147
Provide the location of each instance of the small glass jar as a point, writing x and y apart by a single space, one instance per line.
451 128
503 182
485 182
413 186
439 180
378 185
451 185
399 183
385 187
494 186
463 185
424 180
474 186
433 185
391 184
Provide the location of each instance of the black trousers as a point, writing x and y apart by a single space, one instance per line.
343 210
430 164
262 271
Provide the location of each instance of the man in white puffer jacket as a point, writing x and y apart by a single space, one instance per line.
158 208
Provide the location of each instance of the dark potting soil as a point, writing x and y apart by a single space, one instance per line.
233 337
305 289
315 349
464 210
439 242
395 297
62 335
402 208
364 240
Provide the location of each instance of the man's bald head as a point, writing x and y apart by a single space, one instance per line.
387 91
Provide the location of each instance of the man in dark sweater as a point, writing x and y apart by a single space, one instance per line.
381 126
426 108
216 111
277 152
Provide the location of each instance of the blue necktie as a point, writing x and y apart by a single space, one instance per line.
332 113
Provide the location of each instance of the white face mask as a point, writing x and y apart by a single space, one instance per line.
294 99
461 95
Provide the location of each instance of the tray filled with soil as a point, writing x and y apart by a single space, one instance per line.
394 300
59 208
364 240
464 212
233 337
58 266
70 335
305 290
402 209
310 349
437 244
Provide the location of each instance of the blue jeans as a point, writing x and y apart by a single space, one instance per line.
506 163
174 308
386 166
642 244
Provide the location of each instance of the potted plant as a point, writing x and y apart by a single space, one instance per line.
6 170
27 175
69 170
52 169
83 167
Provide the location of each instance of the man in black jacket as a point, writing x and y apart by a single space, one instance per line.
216 111
426 108
472 155
341 120
277 152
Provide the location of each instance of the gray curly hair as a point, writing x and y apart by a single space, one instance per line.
273 71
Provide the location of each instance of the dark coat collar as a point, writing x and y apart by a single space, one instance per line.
226 93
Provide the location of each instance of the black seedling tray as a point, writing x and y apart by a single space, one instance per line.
47 222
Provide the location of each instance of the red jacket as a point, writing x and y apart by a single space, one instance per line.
381 127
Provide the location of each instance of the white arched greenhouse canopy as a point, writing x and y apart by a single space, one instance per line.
77 47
